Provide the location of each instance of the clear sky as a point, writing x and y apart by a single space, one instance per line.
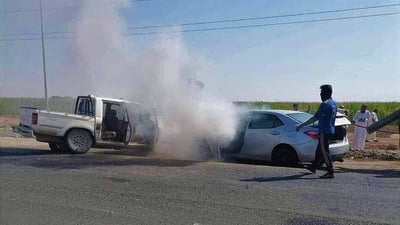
359 57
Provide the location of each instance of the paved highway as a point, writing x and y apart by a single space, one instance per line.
121 187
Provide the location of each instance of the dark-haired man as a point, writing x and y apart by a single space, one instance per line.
326 128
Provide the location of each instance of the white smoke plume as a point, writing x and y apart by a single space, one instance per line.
106 63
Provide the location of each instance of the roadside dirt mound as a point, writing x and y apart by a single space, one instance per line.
8 131
367 154
386 147
8 120
6 126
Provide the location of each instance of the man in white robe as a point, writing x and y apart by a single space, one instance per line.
361 119
373 119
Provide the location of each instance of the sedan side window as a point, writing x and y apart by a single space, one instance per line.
264 121
277 122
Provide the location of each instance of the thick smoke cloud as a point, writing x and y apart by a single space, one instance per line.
106 63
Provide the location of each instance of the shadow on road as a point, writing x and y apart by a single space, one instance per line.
126 152
379 173
258 162
312 221
388 173
280 178
26 151
72 161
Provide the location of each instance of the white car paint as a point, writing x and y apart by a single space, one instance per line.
262 142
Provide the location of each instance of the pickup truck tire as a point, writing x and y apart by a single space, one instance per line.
79 141
58 146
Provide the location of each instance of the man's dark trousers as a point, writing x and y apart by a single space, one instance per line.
322 154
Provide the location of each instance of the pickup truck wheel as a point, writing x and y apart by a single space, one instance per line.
58 146
79 141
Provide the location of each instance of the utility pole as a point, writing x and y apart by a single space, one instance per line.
44 57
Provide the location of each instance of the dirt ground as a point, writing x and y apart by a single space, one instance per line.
387 147
388 138
8 120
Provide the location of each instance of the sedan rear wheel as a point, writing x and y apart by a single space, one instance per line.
285 156
79 141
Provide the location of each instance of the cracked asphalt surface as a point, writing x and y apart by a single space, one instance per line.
122 187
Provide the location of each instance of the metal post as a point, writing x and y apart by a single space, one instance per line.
384 121
398 124
44 57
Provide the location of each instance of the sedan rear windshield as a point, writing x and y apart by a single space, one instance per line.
300 116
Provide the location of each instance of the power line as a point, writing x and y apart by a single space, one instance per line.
264 17
228 20
36 33
267 24
36 10
20 39
37 38
233 27
51 9
19 11
20 34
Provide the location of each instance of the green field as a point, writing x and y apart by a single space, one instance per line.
10 106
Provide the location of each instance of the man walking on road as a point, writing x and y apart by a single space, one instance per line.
326 128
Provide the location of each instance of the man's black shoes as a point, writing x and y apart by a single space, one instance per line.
327 176
311 169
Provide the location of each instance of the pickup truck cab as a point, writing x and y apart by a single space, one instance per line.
97 122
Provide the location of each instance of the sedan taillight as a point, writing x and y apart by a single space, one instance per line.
312 134
34 118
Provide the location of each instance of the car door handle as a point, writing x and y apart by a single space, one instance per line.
275 132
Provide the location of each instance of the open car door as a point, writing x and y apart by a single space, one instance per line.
127 128
144 122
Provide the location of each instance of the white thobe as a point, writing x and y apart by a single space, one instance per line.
360 133
374 119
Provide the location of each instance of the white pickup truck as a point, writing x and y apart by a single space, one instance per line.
97 122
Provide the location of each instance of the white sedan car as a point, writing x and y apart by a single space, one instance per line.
271 135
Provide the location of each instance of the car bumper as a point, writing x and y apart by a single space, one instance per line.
306 151
338 157
339 149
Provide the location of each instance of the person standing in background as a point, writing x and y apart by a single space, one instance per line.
374 119
295 107
360 120
343 110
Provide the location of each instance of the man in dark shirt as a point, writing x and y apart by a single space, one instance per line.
326 128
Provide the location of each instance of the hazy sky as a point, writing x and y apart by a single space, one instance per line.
359 57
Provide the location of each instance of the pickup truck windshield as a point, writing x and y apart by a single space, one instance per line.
84 106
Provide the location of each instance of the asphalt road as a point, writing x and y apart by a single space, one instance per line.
121 187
